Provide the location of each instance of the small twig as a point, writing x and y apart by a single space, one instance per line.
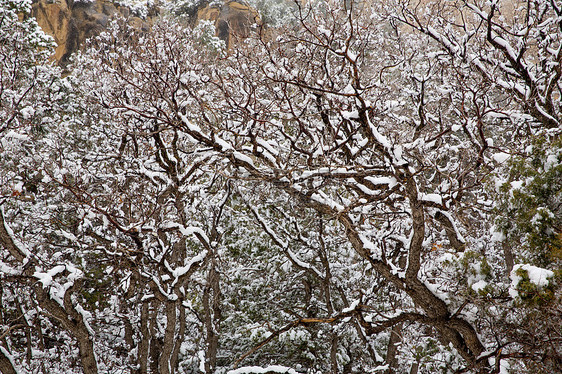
13 327
287 327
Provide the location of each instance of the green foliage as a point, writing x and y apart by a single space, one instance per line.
433 357
189 7
532 294
274 12
97 283
19 32
530 203
205 35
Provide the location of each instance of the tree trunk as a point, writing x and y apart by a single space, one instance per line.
169 338
508 257
144 338
393 343
179 339
334 353
212 316
155 344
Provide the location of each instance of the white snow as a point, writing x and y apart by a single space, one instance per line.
391 181
86 318
381 367
297 260
201 355
169 296
268 147
365 189
260 370
67 235
15 240
516 185
432 197
436 290
14 135
303 264
480 285
57 290
501 157
7 270
351 307
497 235
178 272
551 161
460 237
321 198
369 245
504 365
243 158
350 115
9 357
190 125
538 276
271 232
47 278
192 230
27 112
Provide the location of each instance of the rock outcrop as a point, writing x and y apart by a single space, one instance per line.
71 22
232 19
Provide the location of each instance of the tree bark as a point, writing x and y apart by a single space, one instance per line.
169 338
6 366
392 350
155 344
144 338
508 257
212 316
73 322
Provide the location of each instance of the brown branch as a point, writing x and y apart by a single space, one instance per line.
13 327
290 325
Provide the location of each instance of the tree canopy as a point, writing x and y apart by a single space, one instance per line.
368 187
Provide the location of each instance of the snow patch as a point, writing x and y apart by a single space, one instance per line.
501 157
497 235
351 307
480 285
182 270
391 181
260 370
432 197
538 276
9 357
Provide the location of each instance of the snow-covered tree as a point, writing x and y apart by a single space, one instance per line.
371 187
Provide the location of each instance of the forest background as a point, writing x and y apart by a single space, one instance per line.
348 187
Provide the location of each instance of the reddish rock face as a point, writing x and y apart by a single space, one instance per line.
232 20
70 23
54 19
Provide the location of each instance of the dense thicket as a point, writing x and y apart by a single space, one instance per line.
367 188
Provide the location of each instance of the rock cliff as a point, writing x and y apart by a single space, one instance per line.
232 19
71 22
